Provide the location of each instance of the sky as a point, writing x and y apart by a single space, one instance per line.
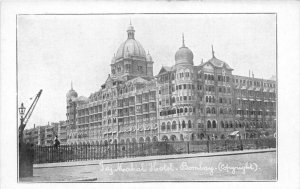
54 50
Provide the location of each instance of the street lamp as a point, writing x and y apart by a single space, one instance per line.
21 112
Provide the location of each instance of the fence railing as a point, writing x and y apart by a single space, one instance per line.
51 154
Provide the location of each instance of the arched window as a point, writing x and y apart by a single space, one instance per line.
169 126
164 138
173 99
206 98
174 125
174 111
214 124
208 124
208 110
210 99
163 126
181 137
221 110
213 110
189 124
222 124
231 125
183 124
181 110
185 110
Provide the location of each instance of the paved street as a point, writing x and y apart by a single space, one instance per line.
253 166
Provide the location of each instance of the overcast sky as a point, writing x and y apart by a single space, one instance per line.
54 50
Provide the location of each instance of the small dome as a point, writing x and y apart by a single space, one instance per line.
130 28
72 94
184 56
149 58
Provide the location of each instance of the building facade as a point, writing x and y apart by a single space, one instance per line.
187 101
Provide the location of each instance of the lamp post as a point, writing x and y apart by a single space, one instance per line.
21 128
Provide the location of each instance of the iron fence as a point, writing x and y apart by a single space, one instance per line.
66 153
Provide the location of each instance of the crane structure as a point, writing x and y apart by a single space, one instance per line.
25 119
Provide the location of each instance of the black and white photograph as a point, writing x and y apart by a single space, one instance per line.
149 97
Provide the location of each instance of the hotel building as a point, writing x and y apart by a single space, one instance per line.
188 101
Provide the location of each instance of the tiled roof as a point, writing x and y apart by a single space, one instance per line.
219 63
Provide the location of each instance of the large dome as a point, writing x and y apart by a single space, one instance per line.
184 55
131 47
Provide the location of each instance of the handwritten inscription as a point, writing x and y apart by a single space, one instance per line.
154 166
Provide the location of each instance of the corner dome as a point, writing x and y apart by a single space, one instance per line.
131 47
184 55
72 93
149 57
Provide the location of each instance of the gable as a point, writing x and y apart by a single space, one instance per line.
208 66
162 70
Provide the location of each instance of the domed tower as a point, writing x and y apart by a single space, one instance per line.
71 106
184 56
71 93
131 59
